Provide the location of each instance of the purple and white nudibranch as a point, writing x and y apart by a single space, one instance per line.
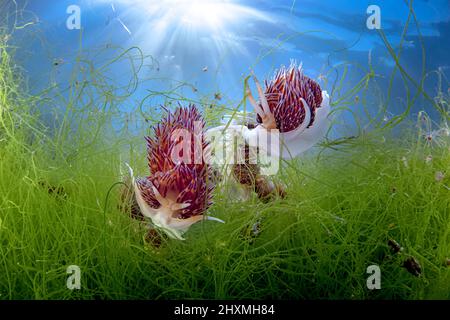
176 194
295 105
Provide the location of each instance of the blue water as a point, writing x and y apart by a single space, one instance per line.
213 44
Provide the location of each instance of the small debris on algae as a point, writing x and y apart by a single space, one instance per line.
395 246
413 266
58 62
439 176
53 190
250 232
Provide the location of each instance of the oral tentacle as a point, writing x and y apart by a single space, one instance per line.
255 105
214 219
262 97
183 224
145 208
307 118
158 196
179 206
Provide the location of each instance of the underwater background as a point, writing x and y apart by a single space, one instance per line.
76 104
230 37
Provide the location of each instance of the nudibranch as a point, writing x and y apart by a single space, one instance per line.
293 104
292 112
178 191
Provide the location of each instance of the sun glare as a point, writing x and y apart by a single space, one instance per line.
203 13
182 29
